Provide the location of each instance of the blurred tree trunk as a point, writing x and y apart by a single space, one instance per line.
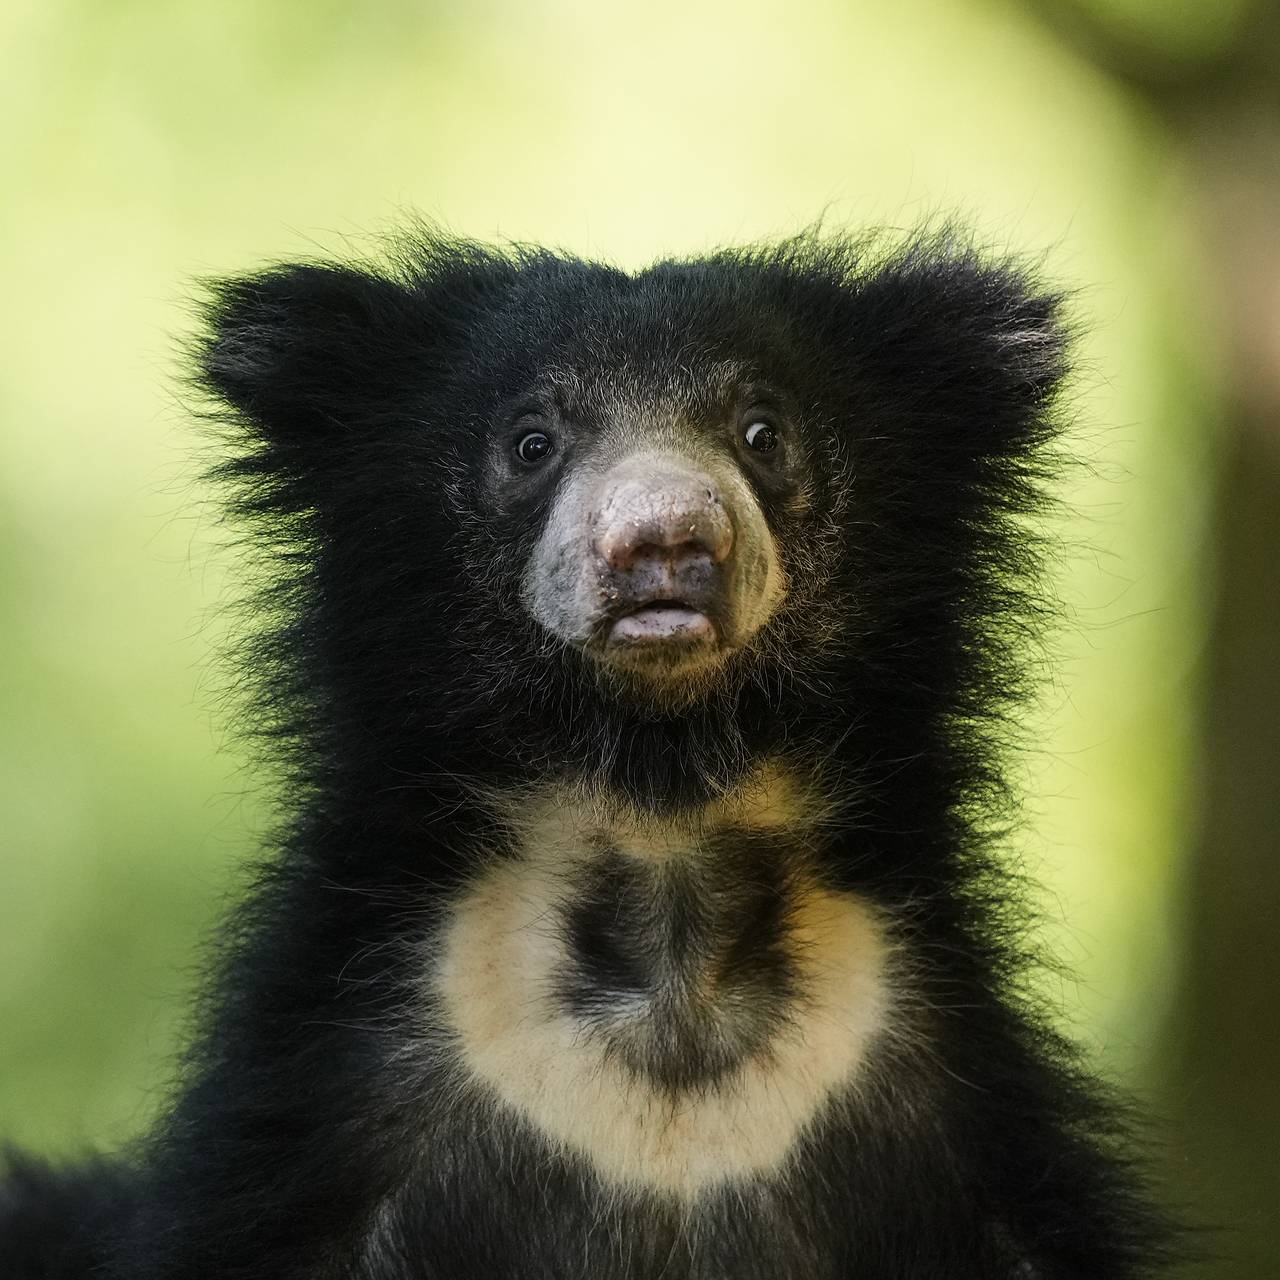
1219 1074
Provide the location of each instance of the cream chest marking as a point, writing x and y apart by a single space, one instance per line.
496 979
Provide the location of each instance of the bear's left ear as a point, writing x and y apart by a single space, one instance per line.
970 351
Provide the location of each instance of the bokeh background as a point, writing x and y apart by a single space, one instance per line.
147 142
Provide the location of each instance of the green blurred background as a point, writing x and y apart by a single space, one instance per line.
144 143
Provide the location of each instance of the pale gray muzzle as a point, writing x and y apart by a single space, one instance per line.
659 558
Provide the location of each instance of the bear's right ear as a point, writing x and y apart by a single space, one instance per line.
307 353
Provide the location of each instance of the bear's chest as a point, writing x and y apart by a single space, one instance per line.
672 1003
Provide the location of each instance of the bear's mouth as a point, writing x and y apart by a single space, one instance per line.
661 623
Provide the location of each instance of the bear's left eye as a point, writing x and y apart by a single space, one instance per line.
761 437
534 447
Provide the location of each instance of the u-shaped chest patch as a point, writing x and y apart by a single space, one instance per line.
674 1003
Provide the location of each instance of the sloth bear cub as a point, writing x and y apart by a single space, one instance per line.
641 648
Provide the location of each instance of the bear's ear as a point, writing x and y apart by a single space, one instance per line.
971 351
303 353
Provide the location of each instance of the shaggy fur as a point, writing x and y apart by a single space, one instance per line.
328 1124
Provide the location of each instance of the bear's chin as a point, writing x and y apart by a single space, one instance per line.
671 671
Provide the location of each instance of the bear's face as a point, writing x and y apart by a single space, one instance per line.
658 486
654 550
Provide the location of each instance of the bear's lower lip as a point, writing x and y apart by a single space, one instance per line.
662 622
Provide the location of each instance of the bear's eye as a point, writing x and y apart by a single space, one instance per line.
534 447
761 437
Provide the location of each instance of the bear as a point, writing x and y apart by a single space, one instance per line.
641 652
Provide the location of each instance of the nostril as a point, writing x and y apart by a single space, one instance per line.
694 552
675 554
622 547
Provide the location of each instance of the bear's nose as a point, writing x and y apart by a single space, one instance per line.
660 513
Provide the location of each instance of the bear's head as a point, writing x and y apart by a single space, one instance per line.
547 504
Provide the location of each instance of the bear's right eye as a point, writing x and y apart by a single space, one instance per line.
534 447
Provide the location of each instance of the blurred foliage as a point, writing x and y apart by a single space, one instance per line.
146 143
1178 31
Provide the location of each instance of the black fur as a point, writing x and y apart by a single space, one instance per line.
318 1133
669 935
